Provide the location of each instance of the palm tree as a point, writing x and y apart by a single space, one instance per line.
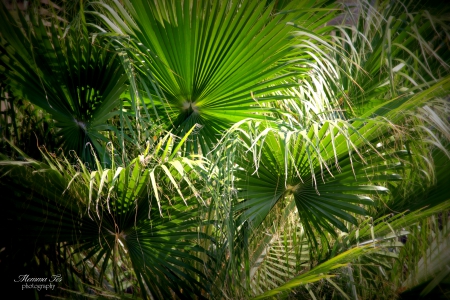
235 149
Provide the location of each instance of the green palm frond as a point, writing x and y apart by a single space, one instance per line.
382 253
112 220
78 83
394 51
281 149
424 261
318 273
324 169
212 59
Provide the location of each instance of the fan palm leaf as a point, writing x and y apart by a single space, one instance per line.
79 84
209 58
313 141
112 220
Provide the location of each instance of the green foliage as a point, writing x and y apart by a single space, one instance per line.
78 83
205 62
226 149
111 219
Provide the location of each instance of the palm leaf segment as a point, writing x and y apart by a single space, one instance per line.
375 171
406 56
297 164
113 221
294 164
280 257
79 84
330 166
208 57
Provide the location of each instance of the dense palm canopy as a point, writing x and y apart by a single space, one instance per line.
226 149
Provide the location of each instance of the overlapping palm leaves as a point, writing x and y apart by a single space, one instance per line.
112 220
302 169
78 83
210 57
339 116
391 108
395 52
277 171
427 270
